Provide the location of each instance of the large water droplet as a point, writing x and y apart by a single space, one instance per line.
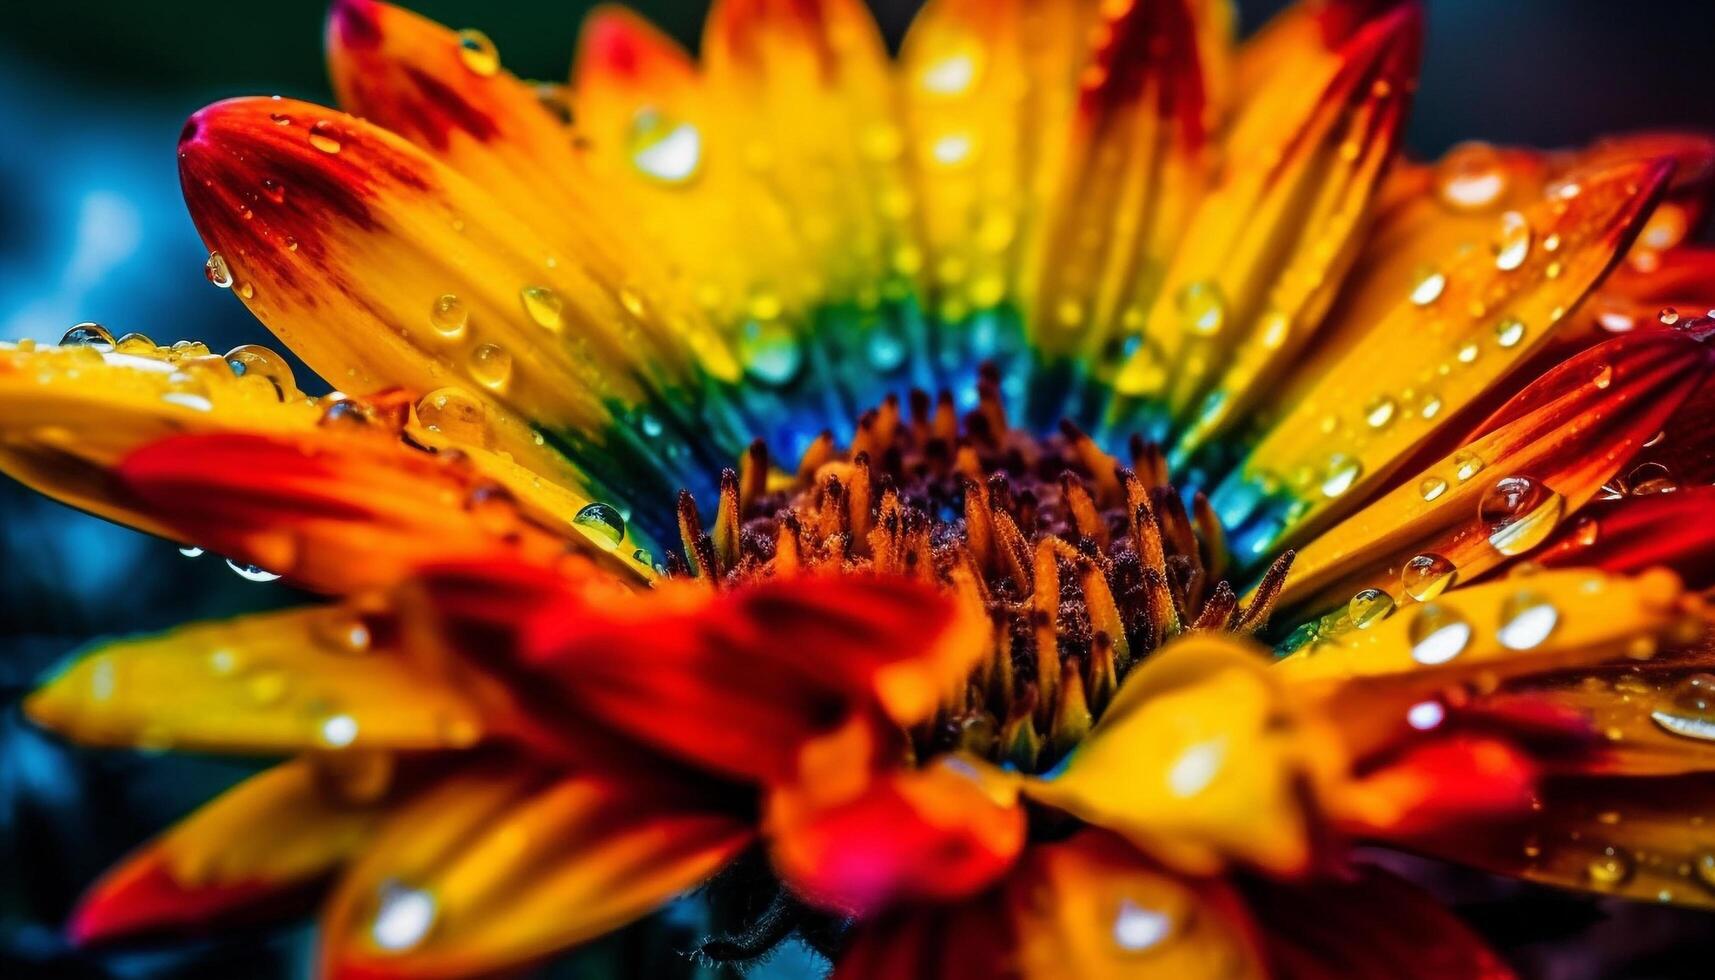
1512 246
454 413
252 573
544 307
1342 472
478 53
1527 619
1690 709
1428 286
665 149
603 522
326 137
1466 464
770 351
88 335
491 366
1471 177
1426 576
448 315
338 731
217 270
1437 634
1519 513
259 363
1369 607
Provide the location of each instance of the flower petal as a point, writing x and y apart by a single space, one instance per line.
382 267
1088 906
1194 764
68 415
937 833
258 850
489 871
1631 534
1474 318
323 678
728 681
334 511
1268 247
1371 927
1509 484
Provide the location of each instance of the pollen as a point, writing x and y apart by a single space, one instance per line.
1084 562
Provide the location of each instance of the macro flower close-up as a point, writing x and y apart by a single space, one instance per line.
1062 492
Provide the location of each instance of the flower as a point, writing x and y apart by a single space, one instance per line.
973 672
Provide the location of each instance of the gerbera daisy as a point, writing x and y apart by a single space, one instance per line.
1023 508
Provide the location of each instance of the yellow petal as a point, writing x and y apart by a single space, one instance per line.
491 871
266 683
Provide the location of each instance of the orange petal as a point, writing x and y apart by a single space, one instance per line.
1655 718
1428 787
383 267
1509 485
487 872
725 681
1465 325
1371 927
1088 906
937 833
1641 838
68 415
324 678
256 852
1272 242
333 511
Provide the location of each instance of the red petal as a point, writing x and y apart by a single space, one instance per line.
1670 529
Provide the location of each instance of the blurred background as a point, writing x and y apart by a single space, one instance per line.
92 95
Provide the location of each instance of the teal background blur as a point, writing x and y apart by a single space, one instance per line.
92 95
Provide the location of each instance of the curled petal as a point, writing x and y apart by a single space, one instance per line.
335 512
938 833
490 871
1467 324
258 850
1194 764
68 416
267 683
1513 480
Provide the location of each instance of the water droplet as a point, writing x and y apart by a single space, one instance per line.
88 335
1369 607
1342 472
338 731
603 522
1471 177
1603 376
770 351
1202 308
1467 352
1519 513
643 557
447 314
1437 634
340 411
454 413
478 53
665 149
191 551
1650 478
258 362
325 136
1668 316
886 348
1690 709
491 366
1380 411
1432 487
1513 244
1703 866
1526 620
1466 464
955 70
1509 332
544 307
217 271
1610 869
403 917
1425 715
1426 576
1428 286
135 343
253 573
273 189
1138 930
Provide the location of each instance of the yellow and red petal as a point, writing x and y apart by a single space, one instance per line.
1089 906
934 834
307 679
489 871
1445 782
1512 480
258 851
1370 926
331 510
69 415
1665 528
1472 320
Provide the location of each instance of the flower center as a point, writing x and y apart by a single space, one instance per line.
1086 563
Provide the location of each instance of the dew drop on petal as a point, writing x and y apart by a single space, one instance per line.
1428 286
1202 308
1426 576
1437 634
603 522
258 362
1138 929
447 314
1425 715
403 917
770 351
478 53
1668 316
88 335
1609 869
1471 177
1432 487
325 136
252 573
1369 607
491 366
1513 244
1342 472
544 307
1380 411
1466 464
1519 513
217 270
1527 619
1509 331
454 413
662 148
191 551
338 731
1690 708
